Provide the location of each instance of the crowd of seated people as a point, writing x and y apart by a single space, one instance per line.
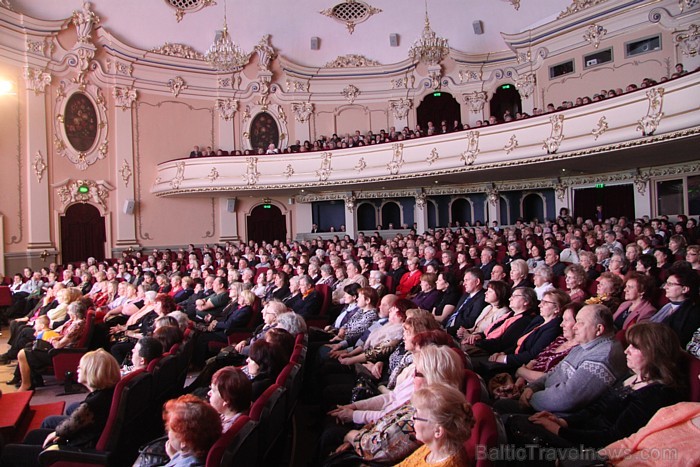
562 320
357 139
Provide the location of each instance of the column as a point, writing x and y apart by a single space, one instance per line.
302 121
125 197
420 213
350 205
227 109
562 199
642 196
493 206
38 196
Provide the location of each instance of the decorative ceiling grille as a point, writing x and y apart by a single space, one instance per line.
350 13
188 6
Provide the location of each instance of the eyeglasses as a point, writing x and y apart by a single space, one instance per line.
667 284
420 419
548 302
515 296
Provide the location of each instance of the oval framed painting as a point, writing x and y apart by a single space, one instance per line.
80 122
80 126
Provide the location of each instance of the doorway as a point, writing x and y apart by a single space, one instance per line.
266 222
437 107
617 200
506 98
83 234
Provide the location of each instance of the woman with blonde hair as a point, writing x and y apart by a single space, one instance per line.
442 421
99 372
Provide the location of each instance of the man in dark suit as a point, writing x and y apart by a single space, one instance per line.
397 269
470 305
551 259
309 303
202 290
488 261
196 152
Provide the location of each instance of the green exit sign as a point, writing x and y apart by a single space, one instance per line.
437 94
505 86
83 189
600 185
267 206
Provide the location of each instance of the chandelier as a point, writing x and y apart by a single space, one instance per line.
429 48
224 54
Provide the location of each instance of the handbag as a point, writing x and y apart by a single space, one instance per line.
153 454
42 345
390 440
364 389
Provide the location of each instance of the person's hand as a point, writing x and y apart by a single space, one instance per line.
462 332
499 357
377 370
50 439
336 353
471 339
525 397
239 347
345 360
343 447
212 325
544 415
341 333
520 383
343 413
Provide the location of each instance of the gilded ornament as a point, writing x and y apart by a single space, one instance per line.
351 61
39 166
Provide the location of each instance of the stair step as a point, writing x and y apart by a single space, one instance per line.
35 415
14 407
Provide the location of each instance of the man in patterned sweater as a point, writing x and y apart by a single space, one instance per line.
584 375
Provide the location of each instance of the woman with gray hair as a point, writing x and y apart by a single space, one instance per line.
542 276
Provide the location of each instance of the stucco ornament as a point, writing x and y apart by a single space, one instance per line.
98 192
689 40
251 175
650 122
125 172
475 100
641 182
579 5
39 166
594 34
361 164
179 176
37 80
421 200
350 203
525 84
325 171
469 154
265 52
556 136
213 175
492 195
227 108
177 85
289 171
124 98
84 20
560 190
396 160
351 61
178 50
350 93
432 157
400 108
511 145
601 128
302 111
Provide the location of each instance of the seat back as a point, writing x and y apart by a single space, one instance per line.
484 435
5 296
166 374
693 372
131 400
238 446
270 412
325 293
298 355
290 379
472 389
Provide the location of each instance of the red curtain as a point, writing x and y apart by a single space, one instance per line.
82 233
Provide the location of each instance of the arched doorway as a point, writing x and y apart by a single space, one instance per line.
533 207
391 214
266 222
461 211
264 131
366 217
505 98
83 233
437 107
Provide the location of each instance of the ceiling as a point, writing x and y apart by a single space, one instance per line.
148 24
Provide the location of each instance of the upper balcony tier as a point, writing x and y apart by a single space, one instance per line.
652 126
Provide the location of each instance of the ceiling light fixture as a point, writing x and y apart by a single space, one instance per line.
224 54
429 48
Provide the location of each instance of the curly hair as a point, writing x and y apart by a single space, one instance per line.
195 423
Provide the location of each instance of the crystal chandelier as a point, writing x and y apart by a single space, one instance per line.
224 54
429 48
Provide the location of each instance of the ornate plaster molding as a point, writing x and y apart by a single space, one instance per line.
689 40
432 157
294 85
469 154
251 175
400 108
179 176
84 21
120 68
601 128
177 85
560 190
350 202
183 7
421 200
98 191
227 108
650 122
325 171
125 172
526 84
641 181
289 171
350 93
556 136
124 98
265 52
493 195
351 13
82 159
44 47
469 75
37 80
281 114
511 144
579 5
302 111
6 4
594 34
39 166
396 159
178 50
351 61
475 100
361 165
213 175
